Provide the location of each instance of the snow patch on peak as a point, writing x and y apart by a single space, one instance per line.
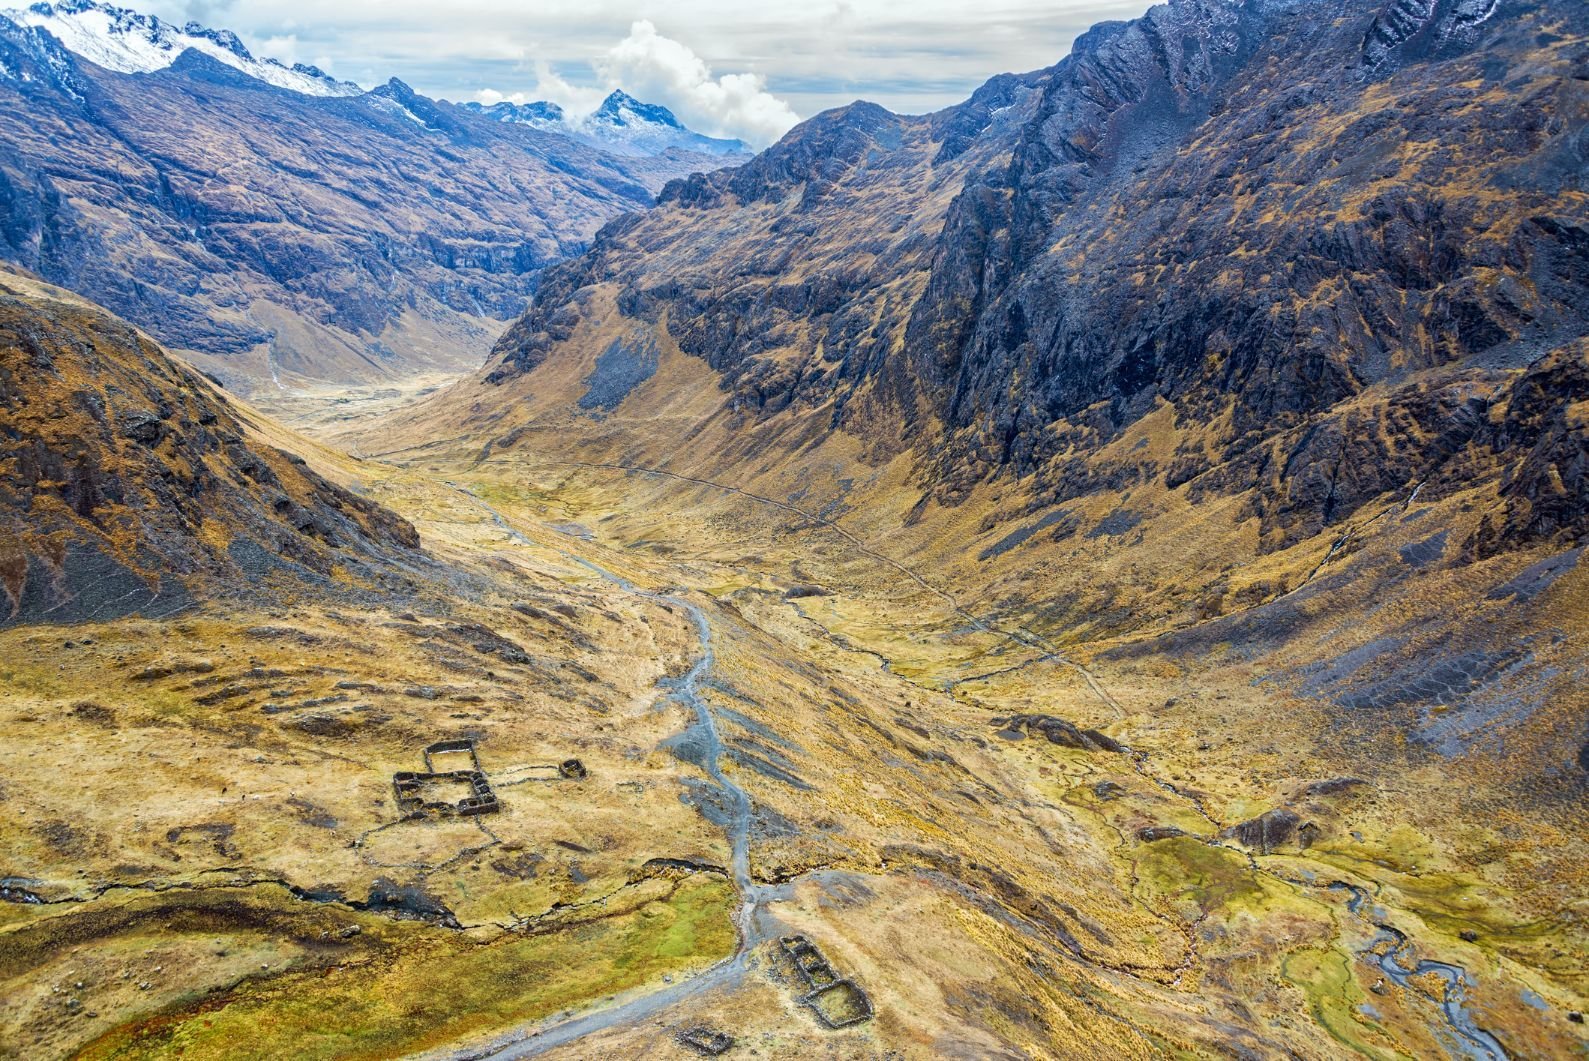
622 125
32 56
395 97
540 115
128 42
622 110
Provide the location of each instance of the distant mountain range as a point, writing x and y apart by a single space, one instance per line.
622 124
132 43
277 224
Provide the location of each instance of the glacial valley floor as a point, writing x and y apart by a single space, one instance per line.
784 729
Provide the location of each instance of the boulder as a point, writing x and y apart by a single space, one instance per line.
1271 829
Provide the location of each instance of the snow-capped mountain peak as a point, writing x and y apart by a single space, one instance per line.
541 114
129 42
621 110
622 124
126 41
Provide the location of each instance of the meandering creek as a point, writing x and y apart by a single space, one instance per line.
1387 950
751 921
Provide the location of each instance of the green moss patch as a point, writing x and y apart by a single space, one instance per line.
440 990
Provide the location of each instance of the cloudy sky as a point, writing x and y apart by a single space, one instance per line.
727 67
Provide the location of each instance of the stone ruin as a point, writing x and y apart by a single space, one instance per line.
837 1002
418 793
708 1042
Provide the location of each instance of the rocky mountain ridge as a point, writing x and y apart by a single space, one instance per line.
128 42
1185 216
131 487
280 236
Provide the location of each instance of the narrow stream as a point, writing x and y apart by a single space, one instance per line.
751 928
1387 950
688 693
1473 1040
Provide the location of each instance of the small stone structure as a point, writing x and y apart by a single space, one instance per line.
442 747
708 1042
837 1002
572 770
416 790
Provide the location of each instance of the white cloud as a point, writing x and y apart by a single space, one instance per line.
909 55
577 100
283 49
659 69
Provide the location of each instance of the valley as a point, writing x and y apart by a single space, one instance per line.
948 671
864 715
1092 571
788 728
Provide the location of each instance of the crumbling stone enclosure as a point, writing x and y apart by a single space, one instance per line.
419 793
837 1002
708 1042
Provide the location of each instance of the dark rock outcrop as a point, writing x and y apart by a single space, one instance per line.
126 479
1058 731
1269 830
410 902
1542 442
1333 786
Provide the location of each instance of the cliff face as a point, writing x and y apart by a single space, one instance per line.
1352 215
1250 335
128 485
784 274
279 234
1326 238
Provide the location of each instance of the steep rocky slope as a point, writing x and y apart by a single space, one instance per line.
279 235
1322 248
129 486
1249 213
1244 317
